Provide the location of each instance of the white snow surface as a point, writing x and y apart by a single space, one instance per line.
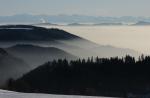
11 94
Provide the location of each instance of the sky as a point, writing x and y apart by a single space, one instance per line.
80 7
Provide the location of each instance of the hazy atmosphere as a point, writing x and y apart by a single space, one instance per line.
133 37
81 7
74 49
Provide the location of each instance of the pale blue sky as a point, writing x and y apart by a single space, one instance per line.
81 7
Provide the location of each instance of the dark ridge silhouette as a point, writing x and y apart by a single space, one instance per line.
114 77
36 55
10 67
32 33
27 34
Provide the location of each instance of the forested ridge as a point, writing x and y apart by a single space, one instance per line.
94 76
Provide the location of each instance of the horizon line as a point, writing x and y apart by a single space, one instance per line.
71 15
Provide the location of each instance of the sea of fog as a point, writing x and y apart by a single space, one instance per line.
132 37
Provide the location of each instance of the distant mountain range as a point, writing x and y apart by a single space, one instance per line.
142 23
34 19
97 24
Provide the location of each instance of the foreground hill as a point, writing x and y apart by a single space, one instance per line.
36 55
116 77
11 67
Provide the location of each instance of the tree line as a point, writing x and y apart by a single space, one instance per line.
93 76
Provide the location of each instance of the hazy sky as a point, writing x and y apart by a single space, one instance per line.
82 7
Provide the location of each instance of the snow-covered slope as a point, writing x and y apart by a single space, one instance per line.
10 94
